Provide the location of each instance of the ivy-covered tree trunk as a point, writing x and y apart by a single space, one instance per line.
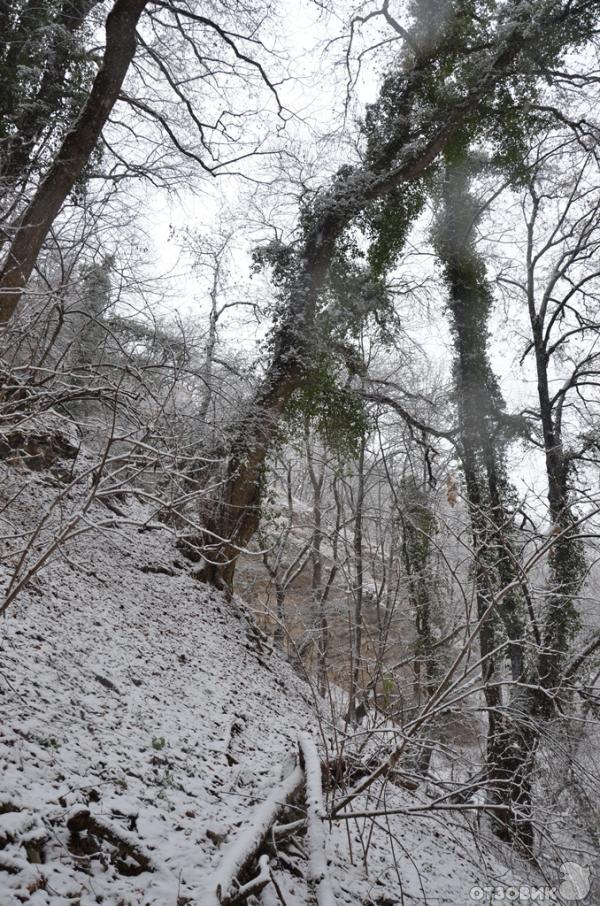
418 110
512 739
236 518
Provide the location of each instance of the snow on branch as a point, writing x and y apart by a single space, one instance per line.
318 871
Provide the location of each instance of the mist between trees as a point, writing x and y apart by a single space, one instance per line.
378 421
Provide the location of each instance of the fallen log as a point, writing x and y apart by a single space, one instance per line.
224 886
81 820
318 872
255 885
232 881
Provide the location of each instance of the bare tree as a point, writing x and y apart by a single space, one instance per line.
558 285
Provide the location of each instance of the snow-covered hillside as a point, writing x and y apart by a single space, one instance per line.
135 697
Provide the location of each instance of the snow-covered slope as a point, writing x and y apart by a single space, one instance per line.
131 690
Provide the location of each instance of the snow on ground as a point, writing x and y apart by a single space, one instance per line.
129 688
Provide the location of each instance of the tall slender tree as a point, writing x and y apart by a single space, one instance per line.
482 441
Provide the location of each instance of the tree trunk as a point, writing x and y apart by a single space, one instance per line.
209 356
566 560
418 525
15 159
238 514
319 614
68 165
512 740
358 590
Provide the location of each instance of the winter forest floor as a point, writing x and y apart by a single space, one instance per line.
130 689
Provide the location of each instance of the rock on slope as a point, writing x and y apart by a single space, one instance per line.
130 690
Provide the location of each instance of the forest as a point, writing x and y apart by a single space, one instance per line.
299 452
